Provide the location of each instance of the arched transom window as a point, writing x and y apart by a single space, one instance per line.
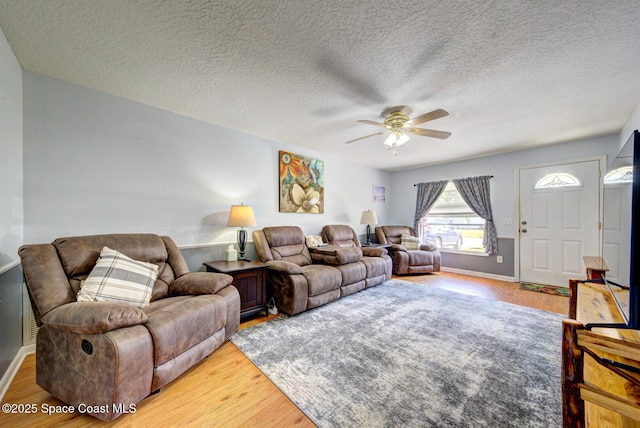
557 179
623 174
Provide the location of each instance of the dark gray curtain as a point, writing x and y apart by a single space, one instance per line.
426 197
476 193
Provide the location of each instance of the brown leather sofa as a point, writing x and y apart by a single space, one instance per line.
301 278
108 356
426 259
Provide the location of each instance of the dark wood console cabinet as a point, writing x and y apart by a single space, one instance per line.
250 278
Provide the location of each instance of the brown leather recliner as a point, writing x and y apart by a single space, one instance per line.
405 262
108 356
301 278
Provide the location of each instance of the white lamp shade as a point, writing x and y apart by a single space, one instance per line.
369 217
241 216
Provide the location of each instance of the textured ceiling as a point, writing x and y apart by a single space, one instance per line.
512 74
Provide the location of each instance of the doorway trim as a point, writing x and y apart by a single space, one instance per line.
602 161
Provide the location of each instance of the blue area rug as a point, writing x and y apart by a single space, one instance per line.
410 355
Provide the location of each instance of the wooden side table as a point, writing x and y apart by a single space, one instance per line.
250 278
596 267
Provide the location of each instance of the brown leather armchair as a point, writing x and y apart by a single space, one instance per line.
424 260
111 355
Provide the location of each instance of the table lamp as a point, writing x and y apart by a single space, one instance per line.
241 216
369 217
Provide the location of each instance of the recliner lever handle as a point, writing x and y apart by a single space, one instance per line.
87 347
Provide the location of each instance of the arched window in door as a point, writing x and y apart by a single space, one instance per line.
557 179
623 174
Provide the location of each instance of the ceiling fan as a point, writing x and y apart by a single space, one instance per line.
398 126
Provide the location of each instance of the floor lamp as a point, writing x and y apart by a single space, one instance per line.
369 217
241 216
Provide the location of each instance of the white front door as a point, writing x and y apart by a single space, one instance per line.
559 223
616 236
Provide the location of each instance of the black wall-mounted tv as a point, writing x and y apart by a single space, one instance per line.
621 230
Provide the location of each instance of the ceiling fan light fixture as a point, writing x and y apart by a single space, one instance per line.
396 138
397 126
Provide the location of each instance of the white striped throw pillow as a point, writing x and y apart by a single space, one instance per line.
409 242
118 278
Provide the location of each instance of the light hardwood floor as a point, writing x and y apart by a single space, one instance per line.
227 390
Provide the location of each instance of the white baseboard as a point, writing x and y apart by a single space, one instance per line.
11 372
480 274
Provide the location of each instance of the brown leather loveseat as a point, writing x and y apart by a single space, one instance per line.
301 278
376 260
106 356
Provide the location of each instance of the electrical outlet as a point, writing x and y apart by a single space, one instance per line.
499 259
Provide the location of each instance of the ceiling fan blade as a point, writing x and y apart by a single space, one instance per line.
432 115
370 122
430 133
362 138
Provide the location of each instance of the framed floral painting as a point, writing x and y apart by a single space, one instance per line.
301 184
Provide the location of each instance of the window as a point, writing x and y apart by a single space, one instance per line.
559 179
451 224
621 175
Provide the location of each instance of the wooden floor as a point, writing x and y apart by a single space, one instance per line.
227 390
